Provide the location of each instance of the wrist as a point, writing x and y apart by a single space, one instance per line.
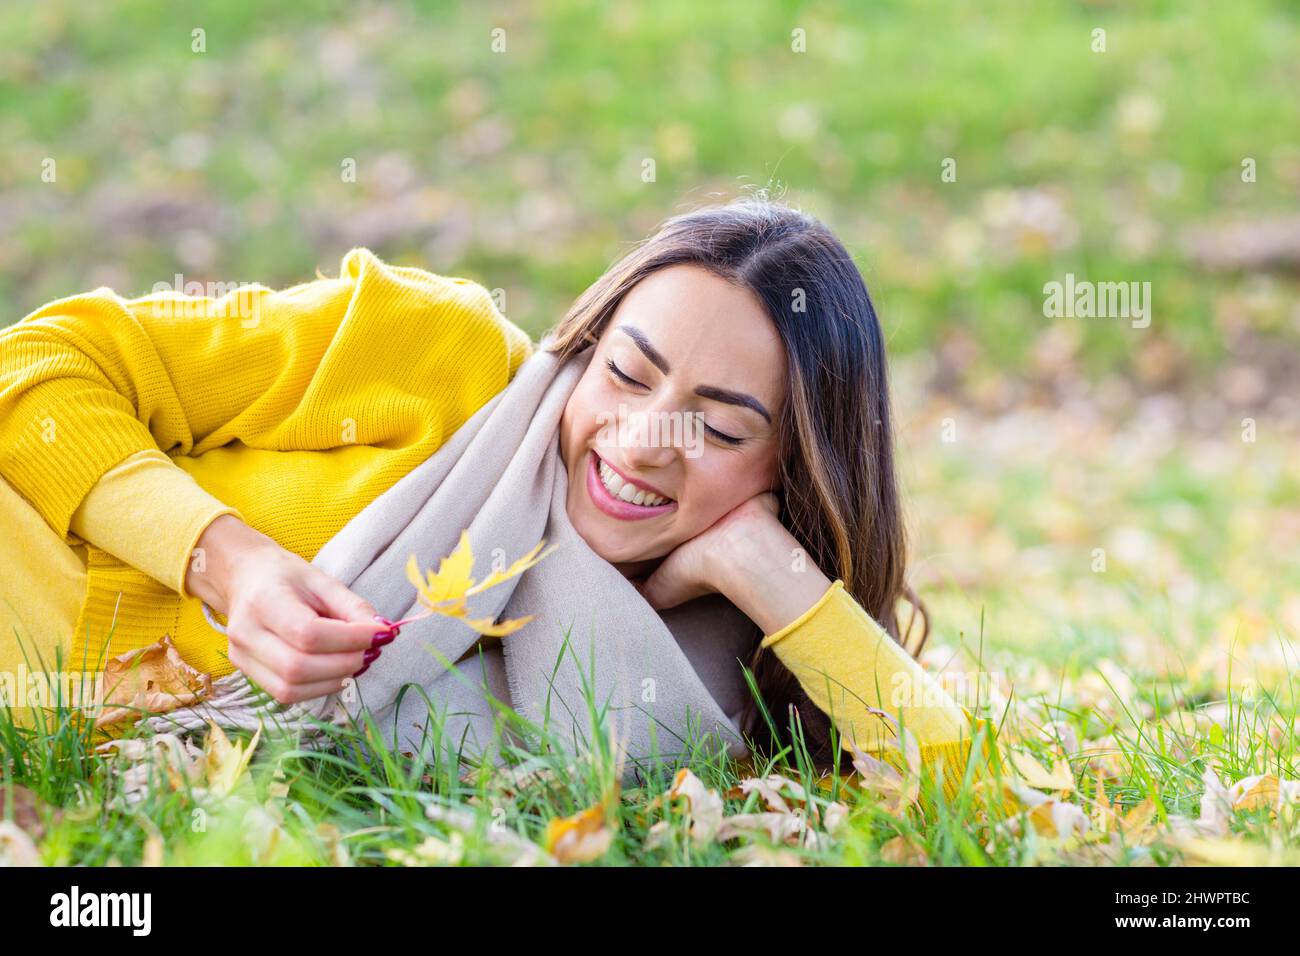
224 544
767 575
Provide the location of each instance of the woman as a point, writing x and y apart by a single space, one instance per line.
154 461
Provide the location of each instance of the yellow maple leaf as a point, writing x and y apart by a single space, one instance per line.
447 590
1036 775
226 761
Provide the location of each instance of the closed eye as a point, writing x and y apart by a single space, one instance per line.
729 439
621 375
626 379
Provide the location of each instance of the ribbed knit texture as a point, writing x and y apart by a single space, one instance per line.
849 666
296 407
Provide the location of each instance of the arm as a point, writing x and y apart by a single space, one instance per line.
843 659
94 389
87 381
149 514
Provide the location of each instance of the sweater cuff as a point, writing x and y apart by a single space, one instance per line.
149 514
803 618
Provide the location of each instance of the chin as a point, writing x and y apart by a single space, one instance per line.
610 544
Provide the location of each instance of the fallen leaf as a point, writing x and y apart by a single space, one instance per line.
580 838
16 847
226 761
153 679
703 809
1216 805
1035 775
755 854
136 764
431 852
902 852
23 808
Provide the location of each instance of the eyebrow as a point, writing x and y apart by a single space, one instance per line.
643 343
724 395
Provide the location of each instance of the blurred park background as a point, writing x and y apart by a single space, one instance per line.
1082 490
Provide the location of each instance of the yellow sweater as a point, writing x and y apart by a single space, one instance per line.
295 408
130 424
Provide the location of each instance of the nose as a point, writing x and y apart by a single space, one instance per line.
646 457
650 435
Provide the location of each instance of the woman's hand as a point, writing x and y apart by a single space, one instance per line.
748 556
294 630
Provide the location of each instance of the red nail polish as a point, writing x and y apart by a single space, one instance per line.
369 656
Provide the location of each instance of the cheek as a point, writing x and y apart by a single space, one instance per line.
724 483
580 419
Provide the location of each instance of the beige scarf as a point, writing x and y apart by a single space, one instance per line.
666 682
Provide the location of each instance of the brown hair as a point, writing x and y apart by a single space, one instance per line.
838 491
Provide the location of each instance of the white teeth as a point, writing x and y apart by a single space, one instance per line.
611 478
625 490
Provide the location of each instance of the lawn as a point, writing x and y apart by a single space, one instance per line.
1104 516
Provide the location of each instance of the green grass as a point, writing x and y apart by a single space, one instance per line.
523 170
1178 658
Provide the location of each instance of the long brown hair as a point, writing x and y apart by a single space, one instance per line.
838 491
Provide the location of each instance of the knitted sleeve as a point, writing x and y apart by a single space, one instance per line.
124 515
853 670
90 380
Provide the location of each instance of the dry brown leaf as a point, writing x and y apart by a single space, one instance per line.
1055 818
1216 805
1104 817
902 852
580 838
16 847
779 827
755 854
24 809
703 809
1034 774
135 764
523 852
704 806
779 793
153 679
1136 825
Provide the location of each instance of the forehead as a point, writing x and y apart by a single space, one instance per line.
711 331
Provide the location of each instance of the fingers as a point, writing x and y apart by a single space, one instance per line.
335 599
299 633
302 628
288 674
659 593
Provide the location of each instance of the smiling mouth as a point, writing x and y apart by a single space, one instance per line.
620 497
625 490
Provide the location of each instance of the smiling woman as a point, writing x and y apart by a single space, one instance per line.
150 469
753 318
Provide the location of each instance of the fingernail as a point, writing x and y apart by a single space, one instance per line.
362 671
382 638
369 656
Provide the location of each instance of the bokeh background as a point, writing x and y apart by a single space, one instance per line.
1083 493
